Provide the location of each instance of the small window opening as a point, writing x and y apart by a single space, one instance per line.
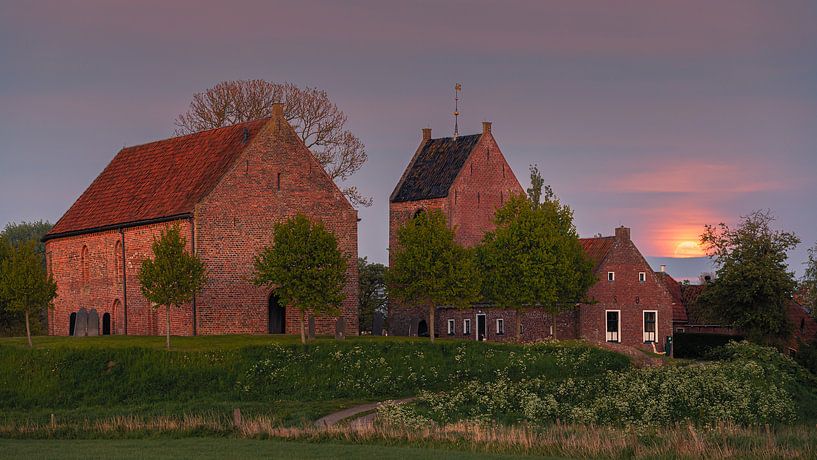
466 327
642 277
611 276
451 327
500 326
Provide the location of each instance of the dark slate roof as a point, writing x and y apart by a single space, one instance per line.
157 180
434 168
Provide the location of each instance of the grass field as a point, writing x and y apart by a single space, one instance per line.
202 448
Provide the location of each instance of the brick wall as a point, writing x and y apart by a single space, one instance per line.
275 178
103 289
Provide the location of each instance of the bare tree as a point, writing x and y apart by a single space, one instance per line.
316 119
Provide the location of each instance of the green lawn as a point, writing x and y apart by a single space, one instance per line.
202 448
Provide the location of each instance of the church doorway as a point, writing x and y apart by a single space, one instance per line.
422 328
106 324
277 316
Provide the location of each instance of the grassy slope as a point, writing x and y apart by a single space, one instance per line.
218 448
263 375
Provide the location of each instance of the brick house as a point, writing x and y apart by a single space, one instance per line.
224 188
468 178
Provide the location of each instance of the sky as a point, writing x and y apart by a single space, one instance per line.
660 116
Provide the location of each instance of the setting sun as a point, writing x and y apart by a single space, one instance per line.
688 249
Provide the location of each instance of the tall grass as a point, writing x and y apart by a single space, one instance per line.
575 441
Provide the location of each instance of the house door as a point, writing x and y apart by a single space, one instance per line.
613 325
422 328
481 329
277 316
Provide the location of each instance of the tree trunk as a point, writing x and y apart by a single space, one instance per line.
167 326
519 325
28 331
553 323
431 328
303 334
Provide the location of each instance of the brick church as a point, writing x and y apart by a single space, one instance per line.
225 188
468 178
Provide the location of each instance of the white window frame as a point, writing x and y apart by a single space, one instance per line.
608 335
466 326
644 327
642 277
500 326
611 276
452 326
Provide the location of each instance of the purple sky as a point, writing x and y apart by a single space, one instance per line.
659 117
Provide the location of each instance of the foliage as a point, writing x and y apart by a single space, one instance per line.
429 268
751 386
372 296
320 124
808 285
533 258
753 283
173 276
537 186
304 266
13 323
358 368
25 287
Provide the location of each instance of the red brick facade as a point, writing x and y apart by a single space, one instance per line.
271 177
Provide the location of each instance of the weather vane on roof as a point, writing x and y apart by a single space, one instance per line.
457 89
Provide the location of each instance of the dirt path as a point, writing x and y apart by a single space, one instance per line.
336 417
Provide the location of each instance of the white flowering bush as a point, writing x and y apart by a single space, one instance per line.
751 386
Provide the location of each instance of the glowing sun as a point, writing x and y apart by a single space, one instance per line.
688 249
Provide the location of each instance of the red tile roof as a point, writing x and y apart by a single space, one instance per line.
597 248
157 180
803 325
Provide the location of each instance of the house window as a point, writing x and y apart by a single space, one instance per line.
642 277
613 319
650 326
466 327
611 276
500 326
450 327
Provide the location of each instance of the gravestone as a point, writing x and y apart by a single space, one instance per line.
377 323
81 323
93 323
311 327
340 328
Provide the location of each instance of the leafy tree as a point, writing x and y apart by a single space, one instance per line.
316 119
533 258
537 184
429 268
371 292
11 322
752 283
173 276
304 266
25 287
808 285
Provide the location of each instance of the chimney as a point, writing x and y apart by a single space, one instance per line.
623 233
663 268
277 110
486 127
426 134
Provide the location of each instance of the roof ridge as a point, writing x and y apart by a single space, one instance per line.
197 133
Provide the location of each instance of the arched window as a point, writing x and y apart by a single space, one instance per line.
117 257
83 258
116 317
